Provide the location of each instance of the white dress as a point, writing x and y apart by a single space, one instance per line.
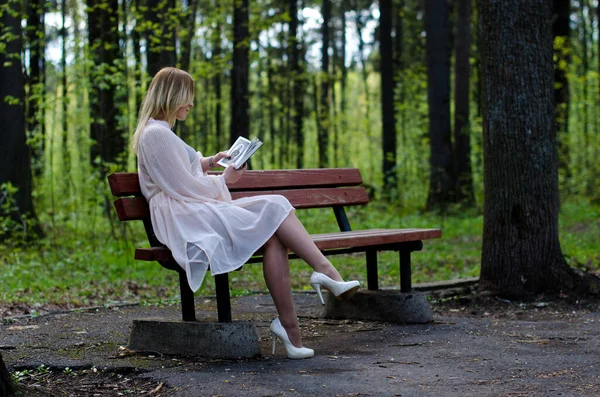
193 214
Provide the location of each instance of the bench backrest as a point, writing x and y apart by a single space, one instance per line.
310 188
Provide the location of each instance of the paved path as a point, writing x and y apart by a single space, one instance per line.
458 355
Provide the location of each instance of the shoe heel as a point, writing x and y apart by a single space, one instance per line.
274 336
317 287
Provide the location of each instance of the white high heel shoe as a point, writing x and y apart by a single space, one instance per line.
339 289
277 331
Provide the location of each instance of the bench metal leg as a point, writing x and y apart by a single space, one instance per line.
372 280
405 270
223 301
188 312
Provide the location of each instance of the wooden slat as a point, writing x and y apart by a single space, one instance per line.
294 179
327 241
132 208
124 184
136 208
315 198
127 183
160 254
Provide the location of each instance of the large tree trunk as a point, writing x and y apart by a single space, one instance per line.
441 184
462 131
388 116
521 253
108 138
7 387
161 51
240 120
35 112
562 32
15 157
323 127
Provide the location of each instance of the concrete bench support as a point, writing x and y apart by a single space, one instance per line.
233 340
381 305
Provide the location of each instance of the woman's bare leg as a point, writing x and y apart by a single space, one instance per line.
294 236
276 269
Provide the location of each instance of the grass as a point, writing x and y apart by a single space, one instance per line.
79 268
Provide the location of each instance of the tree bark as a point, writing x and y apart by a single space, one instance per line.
561 32
521 254
240 120
441 181
64 83
107 136
217 55
388 115
35 112
462 131
298 84
15 156
323 126
161 41
186 45
7 387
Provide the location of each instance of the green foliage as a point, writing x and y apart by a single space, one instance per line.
90 262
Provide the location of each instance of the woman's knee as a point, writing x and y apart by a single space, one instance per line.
273 243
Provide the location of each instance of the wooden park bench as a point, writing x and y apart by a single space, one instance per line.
310 188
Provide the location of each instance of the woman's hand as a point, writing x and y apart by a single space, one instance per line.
217 157
209 163
232 175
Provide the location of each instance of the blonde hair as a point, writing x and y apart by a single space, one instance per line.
170 89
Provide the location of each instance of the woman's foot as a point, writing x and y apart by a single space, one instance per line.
277 331
340 289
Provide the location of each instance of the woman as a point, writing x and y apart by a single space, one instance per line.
193 213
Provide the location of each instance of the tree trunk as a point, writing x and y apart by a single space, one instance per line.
136 36
217 85
562 32
107 137
462 131
15 156
161 51
35 112
186 45
584 95
240 120
7 387
298 84
64 83
323 126
441 184
521 254
388 116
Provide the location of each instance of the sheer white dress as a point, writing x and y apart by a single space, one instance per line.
193 214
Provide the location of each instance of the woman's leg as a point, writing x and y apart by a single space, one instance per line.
276 269
294 236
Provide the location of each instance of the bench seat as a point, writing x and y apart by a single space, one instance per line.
357 240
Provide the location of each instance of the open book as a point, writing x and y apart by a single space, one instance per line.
240 152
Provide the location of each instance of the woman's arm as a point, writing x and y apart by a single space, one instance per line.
167 163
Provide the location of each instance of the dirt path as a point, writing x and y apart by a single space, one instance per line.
473 348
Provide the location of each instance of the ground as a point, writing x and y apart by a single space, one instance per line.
548 348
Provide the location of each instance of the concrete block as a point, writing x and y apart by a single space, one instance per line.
382 305
233 340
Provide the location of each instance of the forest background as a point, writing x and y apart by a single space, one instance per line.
390 87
